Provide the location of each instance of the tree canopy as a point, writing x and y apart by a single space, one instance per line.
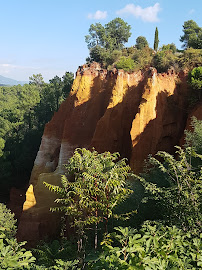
192 35
24 110
112 36
141 42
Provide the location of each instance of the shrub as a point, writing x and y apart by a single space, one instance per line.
193 137
142 58
7 222
155 247
195 80
179 201
113 57
163 60
125 63
47 254
169 47
12 255
191 58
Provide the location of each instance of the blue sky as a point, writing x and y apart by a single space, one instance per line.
47 36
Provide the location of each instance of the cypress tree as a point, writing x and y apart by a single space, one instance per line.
156 39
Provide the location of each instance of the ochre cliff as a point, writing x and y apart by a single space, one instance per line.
135 114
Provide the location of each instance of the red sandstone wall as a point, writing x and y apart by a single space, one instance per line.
135 114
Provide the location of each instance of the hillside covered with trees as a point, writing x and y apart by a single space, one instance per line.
24 111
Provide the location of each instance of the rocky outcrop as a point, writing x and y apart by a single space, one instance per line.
132 113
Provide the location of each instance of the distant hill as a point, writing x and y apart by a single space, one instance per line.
8 81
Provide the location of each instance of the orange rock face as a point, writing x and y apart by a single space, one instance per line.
135 114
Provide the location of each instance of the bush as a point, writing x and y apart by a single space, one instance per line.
154 246
195 80
191 58
113 57
180 201
48 254
169 47
12 255
194 137
7 222
125 63
142 58
163 60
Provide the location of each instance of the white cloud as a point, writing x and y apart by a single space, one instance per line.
148 14
98 15
192 11
22 73
17 72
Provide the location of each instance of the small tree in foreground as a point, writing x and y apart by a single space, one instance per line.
180 202
91 188
7 222
12 253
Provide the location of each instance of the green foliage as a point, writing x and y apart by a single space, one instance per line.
2 145
194 136
164 59
99 54
7 222
142 58
191 58
48 254
67 265
112 36
195 80
141 42
24 110
155 246
192 37
156 39
36 79
113 57
105 42
126 63
61 88
12 255
169 47
128 51
67 81
17 104
96 37
97 183
117 33
180 202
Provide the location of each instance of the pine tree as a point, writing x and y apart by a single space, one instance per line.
156 39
